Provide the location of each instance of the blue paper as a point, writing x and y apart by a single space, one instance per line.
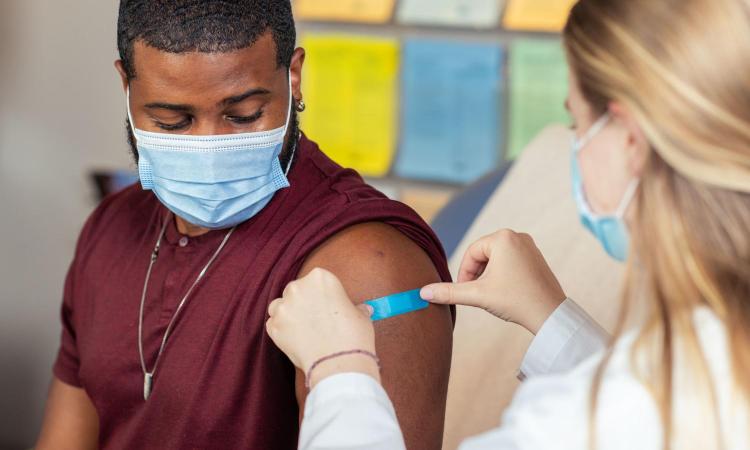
396 305
458 13
451 110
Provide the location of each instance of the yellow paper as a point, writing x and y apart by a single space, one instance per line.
350 88
369 11
537 15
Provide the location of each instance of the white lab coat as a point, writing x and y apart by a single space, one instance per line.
551 408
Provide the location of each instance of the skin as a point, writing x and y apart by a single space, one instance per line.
503 273
70 420
206 94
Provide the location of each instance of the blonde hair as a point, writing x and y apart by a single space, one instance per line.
682 68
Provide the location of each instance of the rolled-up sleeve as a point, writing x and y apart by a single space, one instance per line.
67 364
568 337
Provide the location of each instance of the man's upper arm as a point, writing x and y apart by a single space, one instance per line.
373 260
70 420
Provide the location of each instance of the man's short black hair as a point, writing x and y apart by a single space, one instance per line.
209 26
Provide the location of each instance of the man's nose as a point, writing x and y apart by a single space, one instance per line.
211 127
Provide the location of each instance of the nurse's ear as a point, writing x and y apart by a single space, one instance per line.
637 146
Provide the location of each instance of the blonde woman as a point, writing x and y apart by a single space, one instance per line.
660 95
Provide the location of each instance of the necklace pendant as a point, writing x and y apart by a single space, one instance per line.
147 381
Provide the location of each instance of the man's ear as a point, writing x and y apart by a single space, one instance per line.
298 60
123 75
638 147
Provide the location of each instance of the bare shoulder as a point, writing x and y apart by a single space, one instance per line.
373 260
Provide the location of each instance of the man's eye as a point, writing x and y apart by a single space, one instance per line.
173 127
245 119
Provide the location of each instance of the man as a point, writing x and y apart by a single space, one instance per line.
163 342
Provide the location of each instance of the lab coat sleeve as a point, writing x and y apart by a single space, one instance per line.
553 412
568 337
350 411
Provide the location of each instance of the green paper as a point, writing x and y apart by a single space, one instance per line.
538 89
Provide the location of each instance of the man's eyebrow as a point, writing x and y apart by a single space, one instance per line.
170 106
226 102
238 98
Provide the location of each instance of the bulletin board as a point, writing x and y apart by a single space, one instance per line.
424 97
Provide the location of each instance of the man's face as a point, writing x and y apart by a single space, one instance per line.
212 93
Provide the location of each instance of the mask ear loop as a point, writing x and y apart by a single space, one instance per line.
579 144
130 116
289 105
627 198
286 126
598 126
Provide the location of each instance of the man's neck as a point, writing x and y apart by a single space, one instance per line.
188 229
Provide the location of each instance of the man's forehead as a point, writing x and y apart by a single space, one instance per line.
257 63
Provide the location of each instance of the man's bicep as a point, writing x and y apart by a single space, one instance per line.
70 420
416 355
374 260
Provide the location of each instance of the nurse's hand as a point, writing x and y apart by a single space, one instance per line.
315 318
506 275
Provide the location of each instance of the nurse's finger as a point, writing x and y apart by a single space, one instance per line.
273 307
366 309
270 329
288 288
475 260
468 294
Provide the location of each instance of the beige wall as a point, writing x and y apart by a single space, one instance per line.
61 114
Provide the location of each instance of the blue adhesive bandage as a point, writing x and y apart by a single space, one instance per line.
397 304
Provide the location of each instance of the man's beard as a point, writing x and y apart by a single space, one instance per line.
284 157
292 141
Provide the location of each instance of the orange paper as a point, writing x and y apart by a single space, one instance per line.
368 11
537 15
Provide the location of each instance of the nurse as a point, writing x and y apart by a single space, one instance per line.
660 95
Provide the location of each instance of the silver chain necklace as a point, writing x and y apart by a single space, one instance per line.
148 377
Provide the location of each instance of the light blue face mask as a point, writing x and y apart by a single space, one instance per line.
213 181
610 230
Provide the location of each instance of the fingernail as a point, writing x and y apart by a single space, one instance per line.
427 293
370 310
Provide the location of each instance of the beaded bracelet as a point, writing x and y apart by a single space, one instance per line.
338 355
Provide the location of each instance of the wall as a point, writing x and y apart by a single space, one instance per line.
61 114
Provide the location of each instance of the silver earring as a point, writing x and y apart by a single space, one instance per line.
301 106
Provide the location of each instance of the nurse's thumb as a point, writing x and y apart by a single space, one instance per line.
366 309
451 293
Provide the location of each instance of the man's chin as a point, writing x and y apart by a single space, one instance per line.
189 229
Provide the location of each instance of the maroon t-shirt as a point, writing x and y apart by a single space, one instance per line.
221 382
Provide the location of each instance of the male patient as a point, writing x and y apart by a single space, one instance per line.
164 346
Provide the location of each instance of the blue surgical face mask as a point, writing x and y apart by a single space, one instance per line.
610 230
213 181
